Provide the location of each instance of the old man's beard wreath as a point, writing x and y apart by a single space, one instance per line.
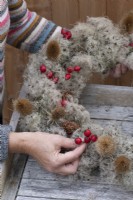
54 81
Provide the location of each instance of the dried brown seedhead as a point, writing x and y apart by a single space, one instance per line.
105 145
66 94
126 24
122 164
23 106
58 112
53 50
70 127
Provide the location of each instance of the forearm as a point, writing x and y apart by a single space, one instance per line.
28 30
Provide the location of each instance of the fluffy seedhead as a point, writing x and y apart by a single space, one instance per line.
70 127
53 50
23 106
105 145
126 24
122 164
58 112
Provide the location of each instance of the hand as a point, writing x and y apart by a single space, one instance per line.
46 149
118 71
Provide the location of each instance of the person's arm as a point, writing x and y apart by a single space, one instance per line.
28 31
46 149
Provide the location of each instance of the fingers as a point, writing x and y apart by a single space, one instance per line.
67 143
72 155
124 69
68 169
118 71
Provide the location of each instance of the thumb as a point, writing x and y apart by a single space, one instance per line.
71 156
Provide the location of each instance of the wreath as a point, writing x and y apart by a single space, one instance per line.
54 80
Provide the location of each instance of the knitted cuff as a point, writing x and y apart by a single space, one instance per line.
4 138
55 34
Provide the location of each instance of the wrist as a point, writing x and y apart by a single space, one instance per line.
18 142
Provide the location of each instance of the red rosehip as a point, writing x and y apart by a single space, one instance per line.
50 75
64 36
77 68
68 35
87 133
55 79
63 31
70 69
43 68
68 76
63 102
94 138
87 140
78 140
131 44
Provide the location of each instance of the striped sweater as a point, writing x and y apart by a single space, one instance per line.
22 29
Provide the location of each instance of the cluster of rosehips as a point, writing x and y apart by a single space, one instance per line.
50 74
66 34
89 137
70 70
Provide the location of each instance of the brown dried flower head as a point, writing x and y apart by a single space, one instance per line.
23 106
53 50
126 23
105 145
122 164
66 94
58 113
70 127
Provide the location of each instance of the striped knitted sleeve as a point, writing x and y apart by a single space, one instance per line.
28 31
4 136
